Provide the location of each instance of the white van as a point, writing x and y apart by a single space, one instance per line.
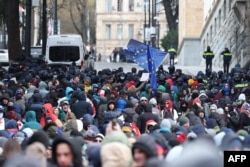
65 49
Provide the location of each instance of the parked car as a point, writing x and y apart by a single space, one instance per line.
36 52
4 57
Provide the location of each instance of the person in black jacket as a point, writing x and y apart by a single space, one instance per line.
227 57
143 118
67 146
81 107
208 55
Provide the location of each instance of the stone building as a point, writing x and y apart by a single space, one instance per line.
191 17
117 21
225 23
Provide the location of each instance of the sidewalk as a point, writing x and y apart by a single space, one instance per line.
190 70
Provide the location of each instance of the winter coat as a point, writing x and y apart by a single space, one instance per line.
101 109
130 112
143 118
48 112
29 93
31 121
76 147
81 107
42 88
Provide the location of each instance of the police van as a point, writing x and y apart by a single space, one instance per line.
65 49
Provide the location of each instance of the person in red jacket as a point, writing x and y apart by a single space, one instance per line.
47 109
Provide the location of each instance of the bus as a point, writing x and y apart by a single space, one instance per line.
65 49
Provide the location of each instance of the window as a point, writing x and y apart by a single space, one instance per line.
131 31
131 5
204 44
64 53
224 10
219 18
119 31
229 6
207 38
215 25
108 31
211 34
119 5
146 4
108 6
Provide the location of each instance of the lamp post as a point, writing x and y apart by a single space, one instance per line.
28 29
55 18
153 28
44 27
145 22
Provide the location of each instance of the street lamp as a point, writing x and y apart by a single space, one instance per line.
55 18
44 27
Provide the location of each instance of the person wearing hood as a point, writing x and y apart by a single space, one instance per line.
121 100
130 111
169 111
5 102
70 124
102 107
215 115
244 116
36 105
29 93
31 122
63 110
48 113
81 107
42 86
143 149
148 92
143 118
66 152
68 93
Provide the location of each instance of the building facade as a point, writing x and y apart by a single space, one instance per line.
191 16
227 24
224 23
118 21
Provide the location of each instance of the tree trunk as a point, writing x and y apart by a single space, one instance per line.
12 22
171 19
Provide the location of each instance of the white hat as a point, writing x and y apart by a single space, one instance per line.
153 101
143 98
242 97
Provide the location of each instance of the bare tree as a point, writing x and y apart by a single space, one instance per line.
11 16
172 13
80 6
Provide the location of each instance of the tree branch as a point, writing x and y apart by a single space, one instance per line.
73 20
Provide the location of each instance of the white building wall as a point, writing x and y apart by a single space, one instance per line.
227 33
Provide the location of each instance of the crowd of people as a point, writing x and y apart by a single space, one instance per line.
69 118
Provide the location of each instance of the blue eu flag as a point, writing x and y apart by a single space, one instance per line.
138 52
146 57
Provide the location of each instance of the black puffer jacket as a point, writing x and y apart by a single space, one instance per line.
143 118
81 107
